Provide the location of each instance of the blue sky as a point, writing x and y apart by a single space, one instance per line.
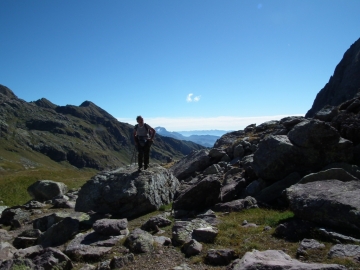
242 61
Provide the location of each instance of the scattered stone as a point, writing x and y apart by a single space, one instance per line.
237 205
50 258
23 264
276 260
127 193
105 265
91 246
294 230
192 248
219 256
44 223
210 217
345 251
200 196
14 217
205 235
267 228
7 251
330 202
156 222
250 225
196 161
44 190
26 252
337 237
63 204
184 266
5 236
162 240
213 169
24 242
59 233
119 262
111 227
182 230
34 205
140 241
307 244
335 173
88 267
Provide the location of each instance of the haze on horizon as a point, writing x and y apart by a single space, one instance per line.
183 65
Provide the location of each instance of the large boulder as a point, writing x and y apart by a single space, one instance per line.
200 196
277 156
313 134
14 217
344 251
110 226
194 162
44 190
219 256
127 192
276 260
329 202
45 222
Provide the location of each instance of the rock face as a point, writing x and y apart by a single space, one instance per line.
127 193
276 260
202 195
44 190
344 83
330 202
196 161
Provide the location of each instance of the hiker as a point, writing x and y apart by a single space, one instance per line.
143 137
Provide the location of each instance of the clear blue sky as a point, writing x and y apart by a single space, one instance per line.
239 58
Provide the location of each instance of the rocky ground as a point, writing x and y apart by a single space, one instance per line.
281 195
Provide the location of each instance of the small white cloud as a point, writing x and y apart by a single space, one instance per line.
190 98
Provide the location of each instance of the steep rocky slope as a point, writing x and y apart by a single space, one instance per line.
344 84
84 136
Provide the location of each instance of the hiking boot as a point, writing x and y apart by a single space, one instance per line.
145 167
139 169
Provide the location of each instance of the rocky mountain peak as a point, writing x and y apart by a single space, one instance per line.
7 92
344 84
45 103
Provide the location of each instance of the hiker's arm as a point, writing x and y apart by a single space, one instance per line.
135 141
153 132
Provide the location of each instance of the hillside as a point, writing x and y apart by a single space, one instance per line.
204 140
344 84
84 136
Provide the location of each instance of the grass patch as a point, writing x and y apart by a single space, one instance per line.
167 207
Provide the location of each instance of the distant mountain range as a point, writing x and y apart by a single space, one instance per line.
205 139
214 132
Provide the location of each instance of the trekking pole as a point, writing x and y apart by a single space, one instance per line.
133 156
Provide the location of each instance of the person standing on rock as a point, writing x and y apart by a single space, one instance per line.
143 137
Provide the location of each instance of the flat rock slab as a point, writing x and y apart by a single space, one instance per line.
237 205
127 192
344 251
331 203
276 260
91 246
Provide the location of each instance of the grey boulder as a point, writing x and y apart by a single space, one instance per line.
155 222
194 162
44 190
308 244
192 248
200 196
110 227
219 256
140 241
7 251
334 173
329 202
276 260
345 251
14 217
127 192
205 235
119 262
182 230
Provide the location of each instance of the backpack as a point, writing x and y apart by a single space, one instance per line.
146 127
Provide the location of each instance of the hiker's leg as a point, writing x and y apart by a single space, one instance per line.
140 156
147 154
